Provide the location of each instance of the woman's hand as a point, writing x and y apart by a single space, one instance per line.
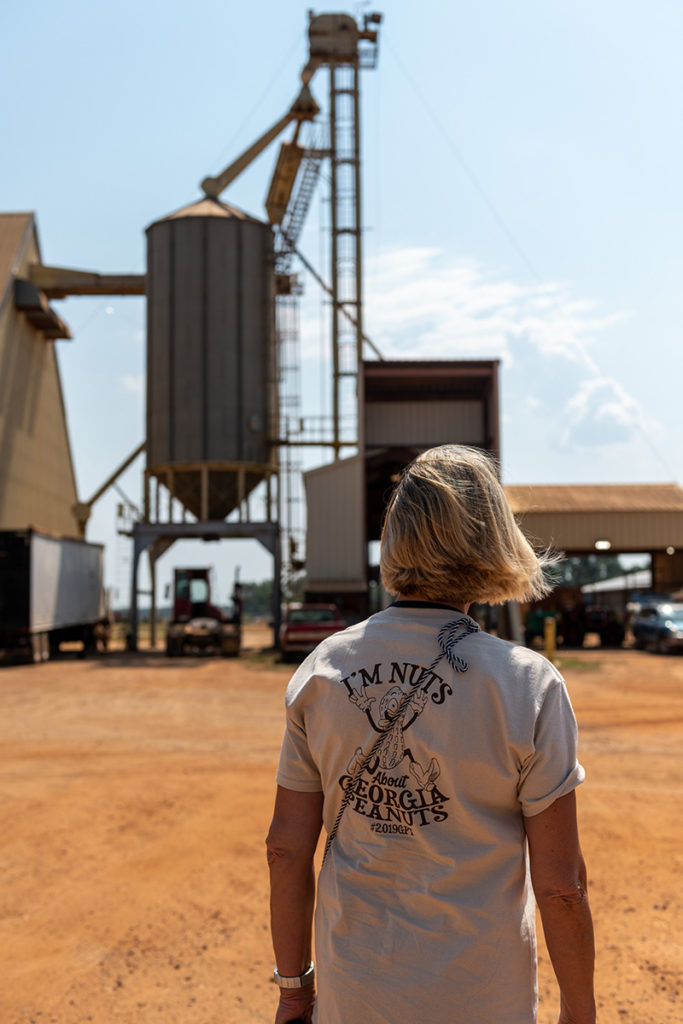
296 1004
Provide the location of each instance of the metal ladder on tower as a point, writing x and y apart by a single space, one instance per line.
293 220
289 383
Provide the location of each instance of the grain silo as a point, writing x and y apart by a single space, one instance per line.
211 368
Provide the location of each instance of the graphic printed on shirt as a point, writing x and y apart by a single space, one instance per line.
396 792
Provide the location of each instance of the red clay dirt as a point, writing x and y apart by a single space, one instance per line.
137 792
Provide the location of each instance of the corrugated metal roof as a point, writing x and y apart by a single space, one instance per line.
13 229
210 208
595 498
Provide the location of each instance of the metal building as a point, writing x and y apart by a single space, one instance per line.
336 562
37 483
408 406
581 519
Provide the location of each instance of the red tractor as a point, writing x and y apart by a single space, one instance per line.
198 626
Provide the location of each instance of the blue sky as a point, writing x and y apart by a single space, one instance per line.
522 168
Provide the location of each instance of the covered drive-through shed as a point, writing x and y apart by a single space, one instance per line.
582 519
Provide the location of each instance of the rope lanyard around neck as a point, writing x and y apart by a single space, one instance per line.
448 636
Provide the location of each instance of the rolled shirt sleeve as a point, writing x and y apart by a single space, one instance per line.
297 769
552 769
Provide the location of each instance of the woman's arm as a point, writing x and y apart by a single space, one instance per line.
558 874
291 844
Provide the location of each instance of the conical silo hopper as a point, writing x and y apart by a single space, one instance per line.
211 368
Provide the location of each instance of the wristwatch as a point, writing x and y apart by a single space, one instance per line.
300 981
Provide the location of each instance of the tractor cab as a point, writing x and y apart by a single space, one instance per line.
192 596
198 626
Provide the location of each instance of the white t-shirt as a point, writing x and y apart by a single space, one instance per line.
425 913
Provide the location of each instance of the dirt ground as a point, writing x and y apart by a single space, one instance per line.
136 793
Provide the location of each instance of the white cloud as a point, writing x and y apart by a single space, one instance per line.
602 412
420 304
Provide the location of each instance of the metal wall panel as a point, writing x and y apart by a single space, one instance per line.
255 282
210 340
422 423
223 276
37 484
334 531
187 384
626 531
159 256
66 583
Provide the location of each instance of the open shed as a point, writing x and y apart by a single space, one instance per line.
407 407
581 519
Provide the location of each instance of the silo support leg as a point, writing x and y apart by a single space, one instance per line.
132 642
153 609
268 534
140 544
277 597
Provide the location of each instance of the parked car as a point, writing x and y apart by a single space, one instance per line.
659 627
305 625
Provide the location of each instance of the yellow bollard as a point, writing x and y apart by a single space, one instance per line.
550 637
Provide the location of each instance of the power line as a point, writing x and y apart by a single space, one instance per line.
228 148
467 169
589 361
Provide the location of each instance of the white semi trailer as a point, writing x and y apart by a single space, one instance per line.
51 591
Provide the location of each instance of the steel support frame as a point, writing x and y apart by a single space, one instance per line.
146 534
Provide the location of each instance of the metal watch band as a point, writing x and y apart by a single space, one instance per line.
300 981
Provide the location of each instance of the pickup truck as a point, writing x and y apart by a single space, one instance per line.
305 625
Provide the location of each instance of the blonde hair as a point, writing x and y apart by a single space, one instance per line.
449 534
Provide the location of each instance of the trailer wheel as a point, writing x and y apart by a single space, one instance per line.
89 643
